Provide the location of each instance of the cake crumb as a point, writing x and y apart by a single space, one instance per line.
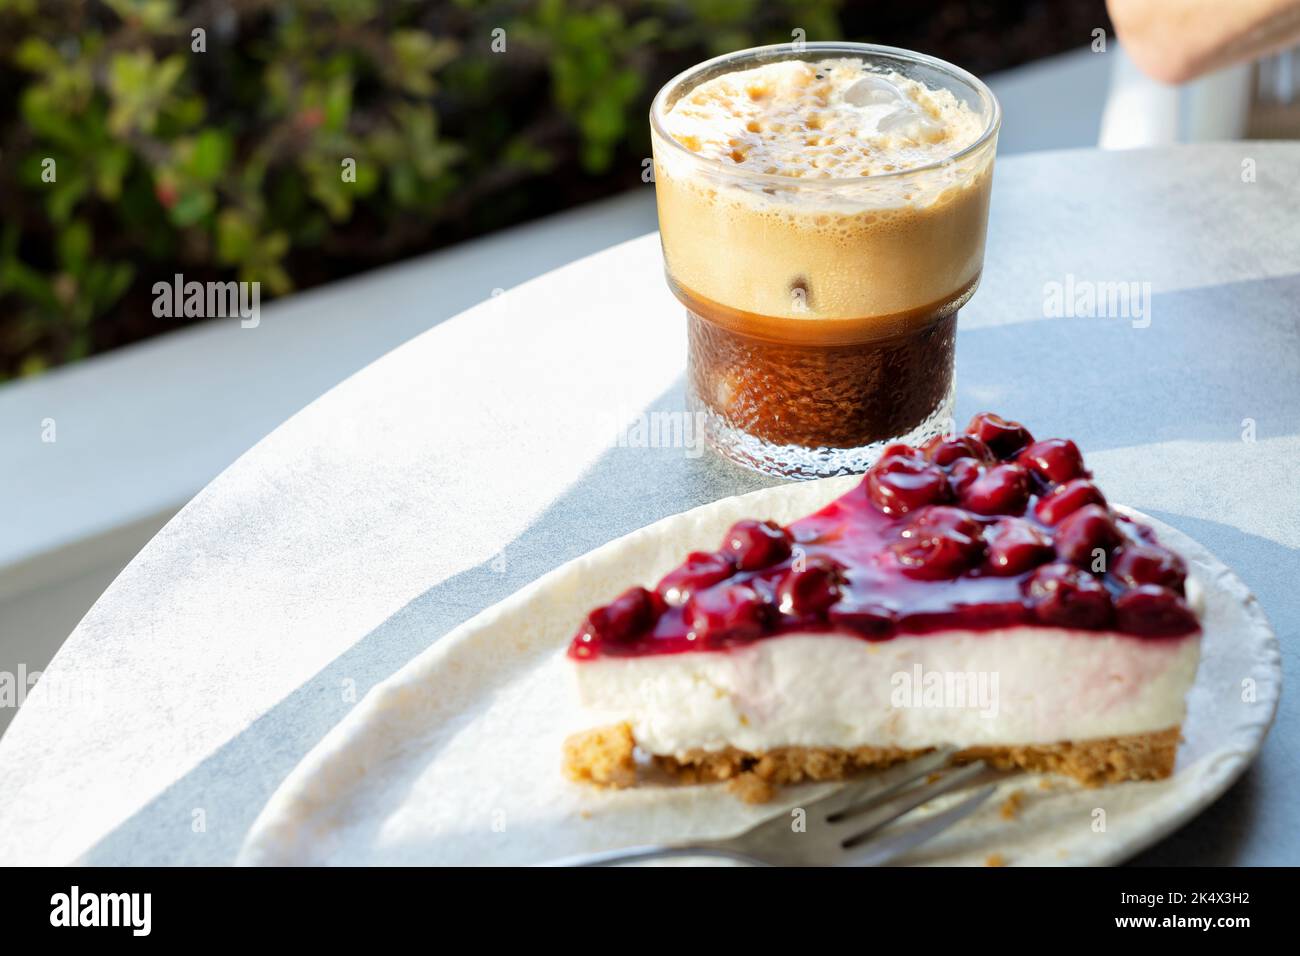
934 778
1011 806
995 859
603 757
1046 783
749 787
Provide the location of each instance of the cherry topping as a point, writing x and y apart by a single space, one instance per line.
1054 459
1137 564
1068 498
962 473
700 570
810 590
1003 437
1003 489
1082 533
631 613
736 613
940 542
1015 546
1062 595
897 484
944 451
865 618
756 544
935 539
897 450
1153 611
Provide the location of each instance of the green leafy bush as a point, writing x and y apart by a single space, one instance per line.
292 142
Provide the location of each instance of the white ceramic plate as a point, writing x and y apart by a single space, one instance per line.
455 759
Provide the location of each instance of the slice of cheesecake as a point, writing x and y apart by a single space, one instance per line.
977 593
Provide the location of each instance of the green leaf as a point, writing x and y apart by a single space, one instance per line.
64 196
111 165
37 56
211 153
416 55
235 236
338 103
74 246
192 205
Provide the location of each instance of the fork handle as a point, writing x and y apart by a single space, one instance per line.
650 852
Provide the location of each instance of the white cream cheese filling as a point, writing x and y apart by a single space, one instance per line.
1011 686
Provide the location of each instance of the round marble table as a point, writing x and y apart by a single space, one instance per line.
486 451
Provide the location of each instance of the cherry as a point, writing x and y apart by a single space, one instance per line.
810 590
1015 546
1003 489
1082 533
897 484
1068 498
1004 438
1140 563
631 613
962 473
1062 595
700 570
944 451
897 450
940 542
737 612
862 618
1153 611
1054 460
756 544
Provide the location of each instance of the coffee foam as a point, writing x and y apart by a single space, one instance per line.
833 119
839 234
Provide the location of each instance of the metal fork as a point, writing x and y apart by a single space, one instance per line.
841 828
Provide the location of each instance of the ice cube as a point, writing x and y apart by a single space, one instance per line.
873 91
910 123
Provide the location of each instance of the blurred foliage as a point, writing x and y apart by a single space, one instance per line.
141 138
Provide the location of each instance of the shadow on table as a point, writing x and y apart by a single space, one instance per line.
624 489
1072 371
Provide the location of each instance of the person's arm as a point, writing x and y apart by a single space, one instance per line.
1178 40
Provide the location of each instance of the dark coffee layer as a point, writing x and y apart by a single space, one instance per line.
821 395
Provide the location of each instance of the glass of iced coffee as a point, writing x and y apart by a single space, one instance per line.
823 211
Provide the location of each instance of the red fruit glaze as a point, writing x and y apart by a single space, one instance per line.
1065 596
617 623
1140 563
756 544
1003 437
1151 609
808 590
1067 499
1002 490
1017 546
944 451
938 543
1083 533
962 474
1055 460
893 557
701 569
735 612
899 484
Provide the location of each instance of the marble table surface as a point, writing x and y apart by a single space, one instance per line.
486 451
